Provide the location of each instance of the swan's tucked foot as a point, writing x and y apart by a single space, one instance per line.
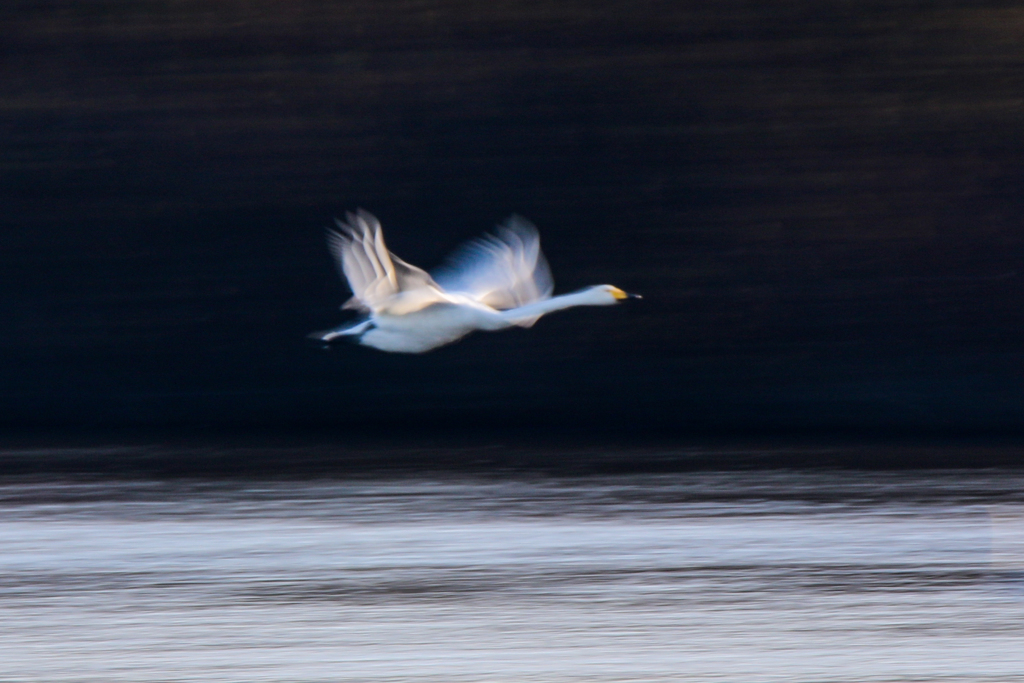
353 331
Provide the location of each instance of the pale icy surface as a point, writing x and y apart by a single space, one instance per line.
700 577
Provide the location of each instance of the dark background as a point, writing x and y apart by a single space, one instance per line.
821 202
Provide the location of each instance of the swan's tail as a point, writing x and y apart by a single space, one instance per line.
327 336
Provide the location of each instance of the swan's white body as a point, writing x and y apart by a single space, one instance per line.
493 283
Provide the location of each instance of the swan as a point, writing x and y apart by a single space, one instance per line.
491 283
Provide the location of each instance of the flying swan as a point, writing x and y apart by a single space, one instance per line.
491 283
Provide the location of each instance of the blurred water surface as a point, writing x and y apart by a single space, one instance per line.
768 576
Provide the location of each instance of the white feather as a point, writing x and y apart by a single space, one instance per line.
505 270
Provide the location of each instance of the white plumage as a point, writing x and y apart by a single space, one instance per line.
491 283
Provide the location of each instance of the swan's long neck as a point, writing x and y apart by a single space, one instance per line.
528 314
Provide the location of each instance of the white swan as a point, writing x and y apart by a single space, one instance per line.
492 283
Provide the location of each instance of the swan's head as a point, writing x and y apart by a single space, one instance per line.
605 295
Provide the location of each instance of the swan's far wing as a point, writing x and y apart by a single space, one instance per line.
503 271
375 275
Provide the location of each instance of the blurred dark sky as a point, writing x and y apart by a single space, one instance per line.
821 202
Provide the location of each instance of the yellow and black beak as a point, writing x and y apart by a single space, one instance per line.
621 295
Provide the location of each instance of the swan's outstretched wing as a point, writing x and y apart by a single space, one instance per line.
378 278
504 270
